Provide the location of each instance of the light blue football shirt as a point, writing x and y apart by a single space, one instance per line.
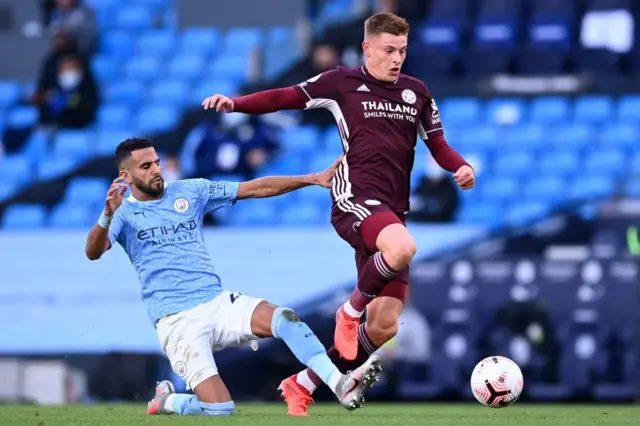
163 239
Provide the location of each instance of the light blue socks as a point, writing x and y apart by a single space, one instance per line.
185 405
304 344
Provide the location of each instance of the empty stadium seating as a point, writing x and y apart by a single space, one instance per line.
530 154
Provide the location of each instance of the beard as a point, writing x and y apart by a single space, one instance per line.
150 188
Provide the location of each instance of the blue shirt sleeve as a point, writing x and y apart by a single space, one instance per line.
115 229
218 194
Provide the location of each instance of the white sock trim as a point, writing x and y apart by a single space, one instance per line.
351 311
305 381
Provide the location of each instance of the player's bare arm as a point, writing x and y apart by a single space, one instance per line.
264 102
272 186
98 241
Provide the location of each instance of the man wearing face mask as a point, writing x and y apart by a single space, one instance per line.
239 145
436 198
73 102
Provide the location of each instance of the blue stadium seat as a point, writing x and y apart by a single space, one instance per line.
202 41
7 190
513 163
549 109
133 18
593 109
632 187
24 216
73 143
287 165
187 66
105 68
506 111
254 213
622 135
242 40
592 187
560 162
53 167
280 34
522 213
117 44
153 119
170 92
143 67
440 34
36 145
481 213
629 109
22 116
460 111
114 116
572 136
300 139
9 93
551 24
530 136
15 169
72 216
317 195
210 87
233 67
86 191
125 92
157 43
545 188
497 24
500 189
479 137
304 214
108 140
606 161
634 166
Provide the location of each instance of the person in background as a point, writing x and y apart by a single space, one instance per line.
239 145
171 169
72 102
436 198
76 19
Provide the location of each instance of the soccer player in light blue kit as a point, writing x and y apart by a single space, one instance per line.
160 228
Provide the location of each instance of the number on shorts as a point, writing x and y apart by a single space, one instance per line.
234 296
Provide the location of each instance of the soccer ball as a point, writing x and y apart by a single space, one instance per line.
496 381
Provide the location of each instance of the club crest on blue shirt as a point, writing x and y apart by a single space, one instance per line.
181 205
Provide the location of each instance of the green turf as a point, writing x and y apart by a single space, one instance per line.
331 415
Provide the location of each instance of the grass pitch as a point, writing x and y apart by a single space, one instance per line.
332 414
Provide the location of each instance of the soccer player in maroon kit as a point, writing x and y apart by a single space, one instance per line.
379 112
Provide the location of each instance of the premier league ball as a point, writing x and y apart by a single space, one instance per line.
497 381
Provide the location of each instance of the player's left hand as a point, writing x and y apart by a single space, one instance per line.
465 177
324 178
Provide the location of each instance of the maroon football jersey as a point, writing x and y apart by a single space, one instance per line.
378 123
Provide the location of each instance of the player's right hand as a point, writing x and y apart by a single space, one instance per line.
219 102
115 195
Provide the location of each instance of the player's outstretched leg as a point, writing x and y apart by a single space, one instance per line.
166 401
283 323
385 235
381 326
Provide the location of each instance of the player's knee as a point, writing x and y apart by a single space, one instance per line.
399 255
218 409
289 315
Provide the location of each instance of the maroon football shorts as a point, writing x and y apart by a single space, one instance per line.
359 220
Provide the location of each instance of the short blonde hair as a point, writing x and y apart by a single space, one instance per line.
382 23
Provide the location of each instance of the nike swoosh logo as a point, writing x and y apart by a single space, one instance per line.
356 383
